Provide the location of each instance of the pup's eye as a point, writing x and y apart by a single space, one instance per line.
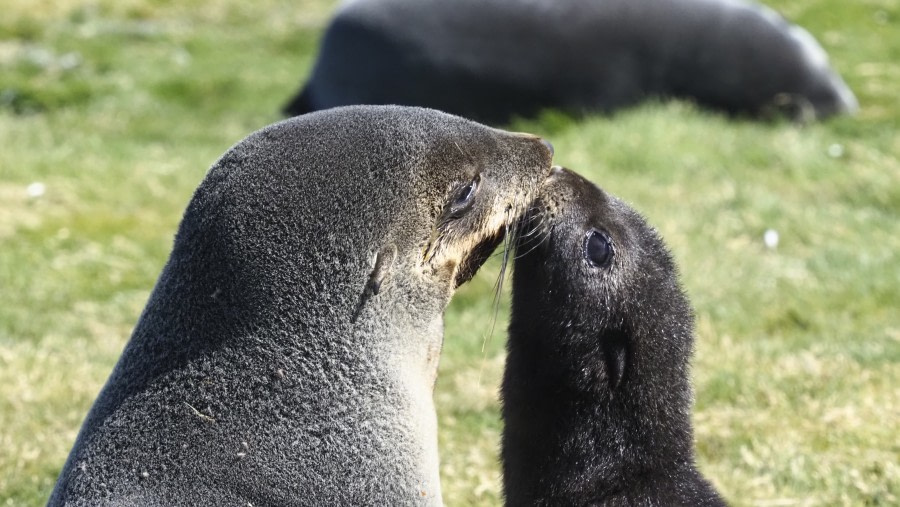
464 197
598 249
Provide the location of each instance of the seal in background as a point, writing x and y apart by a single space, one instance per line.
491 60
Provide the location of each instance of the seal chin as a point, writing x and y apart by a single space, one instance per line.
477 257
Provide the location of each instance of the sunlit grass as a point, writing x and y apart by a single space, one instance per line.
119 107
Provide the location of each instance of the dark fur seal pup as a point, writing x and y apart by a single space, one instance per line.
596 395
288 352
491 60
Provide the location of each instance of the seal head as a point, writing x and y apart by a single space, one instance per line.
287 354
596 394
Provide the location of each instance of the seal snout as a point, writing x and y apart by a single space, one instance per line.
546 144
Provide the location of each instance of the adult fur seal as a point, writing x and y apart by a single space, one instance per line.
287 354
596 395
491 60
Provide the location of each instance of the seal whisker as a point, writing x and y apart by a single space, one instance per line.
498 285
464 152
536 236
511 220
538 241
535 231
517 225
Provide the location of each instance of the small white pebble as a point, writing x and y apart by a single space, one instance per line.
835 150
770 238
36 189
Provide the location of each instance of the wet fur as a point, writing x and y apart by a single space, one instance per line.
288 352
596 392
492 60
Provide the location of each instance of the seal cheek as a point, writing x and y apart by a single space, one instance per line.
447 271
476 257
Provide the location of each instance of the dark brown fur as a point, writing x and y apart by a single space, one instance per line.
596 393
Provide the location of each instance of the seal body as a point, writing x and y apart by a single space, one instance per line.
288 352
596 395
491 60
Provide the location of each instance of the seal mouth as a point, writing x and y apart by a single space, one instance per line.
477 257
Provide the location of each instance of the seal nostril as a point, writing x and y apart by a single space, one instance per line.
548 145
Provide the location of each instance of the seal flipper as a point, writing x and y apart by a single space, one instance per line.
384 261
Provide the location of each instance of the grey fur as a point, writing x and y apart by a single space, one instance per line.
596 392
491 60
255 374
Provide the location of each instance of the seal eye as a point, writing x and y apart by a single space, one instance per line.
598 248
464 197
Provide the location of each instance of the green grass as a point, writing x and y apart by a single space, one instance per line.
119 107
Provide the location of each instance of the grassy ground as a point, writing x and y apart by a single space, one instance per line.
118 107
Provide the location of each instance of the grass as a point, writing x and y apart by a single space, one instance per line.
118 108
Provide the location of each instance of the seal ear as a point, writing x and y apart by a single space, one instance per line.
384 261
615 357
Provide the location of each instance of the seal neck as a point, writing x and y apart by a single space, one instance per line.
564 420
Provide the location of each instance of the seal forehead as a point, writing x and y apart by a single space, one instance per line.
575 201
568 210
371 153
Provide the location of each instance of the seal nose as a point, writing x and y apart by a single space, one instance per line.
548 145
